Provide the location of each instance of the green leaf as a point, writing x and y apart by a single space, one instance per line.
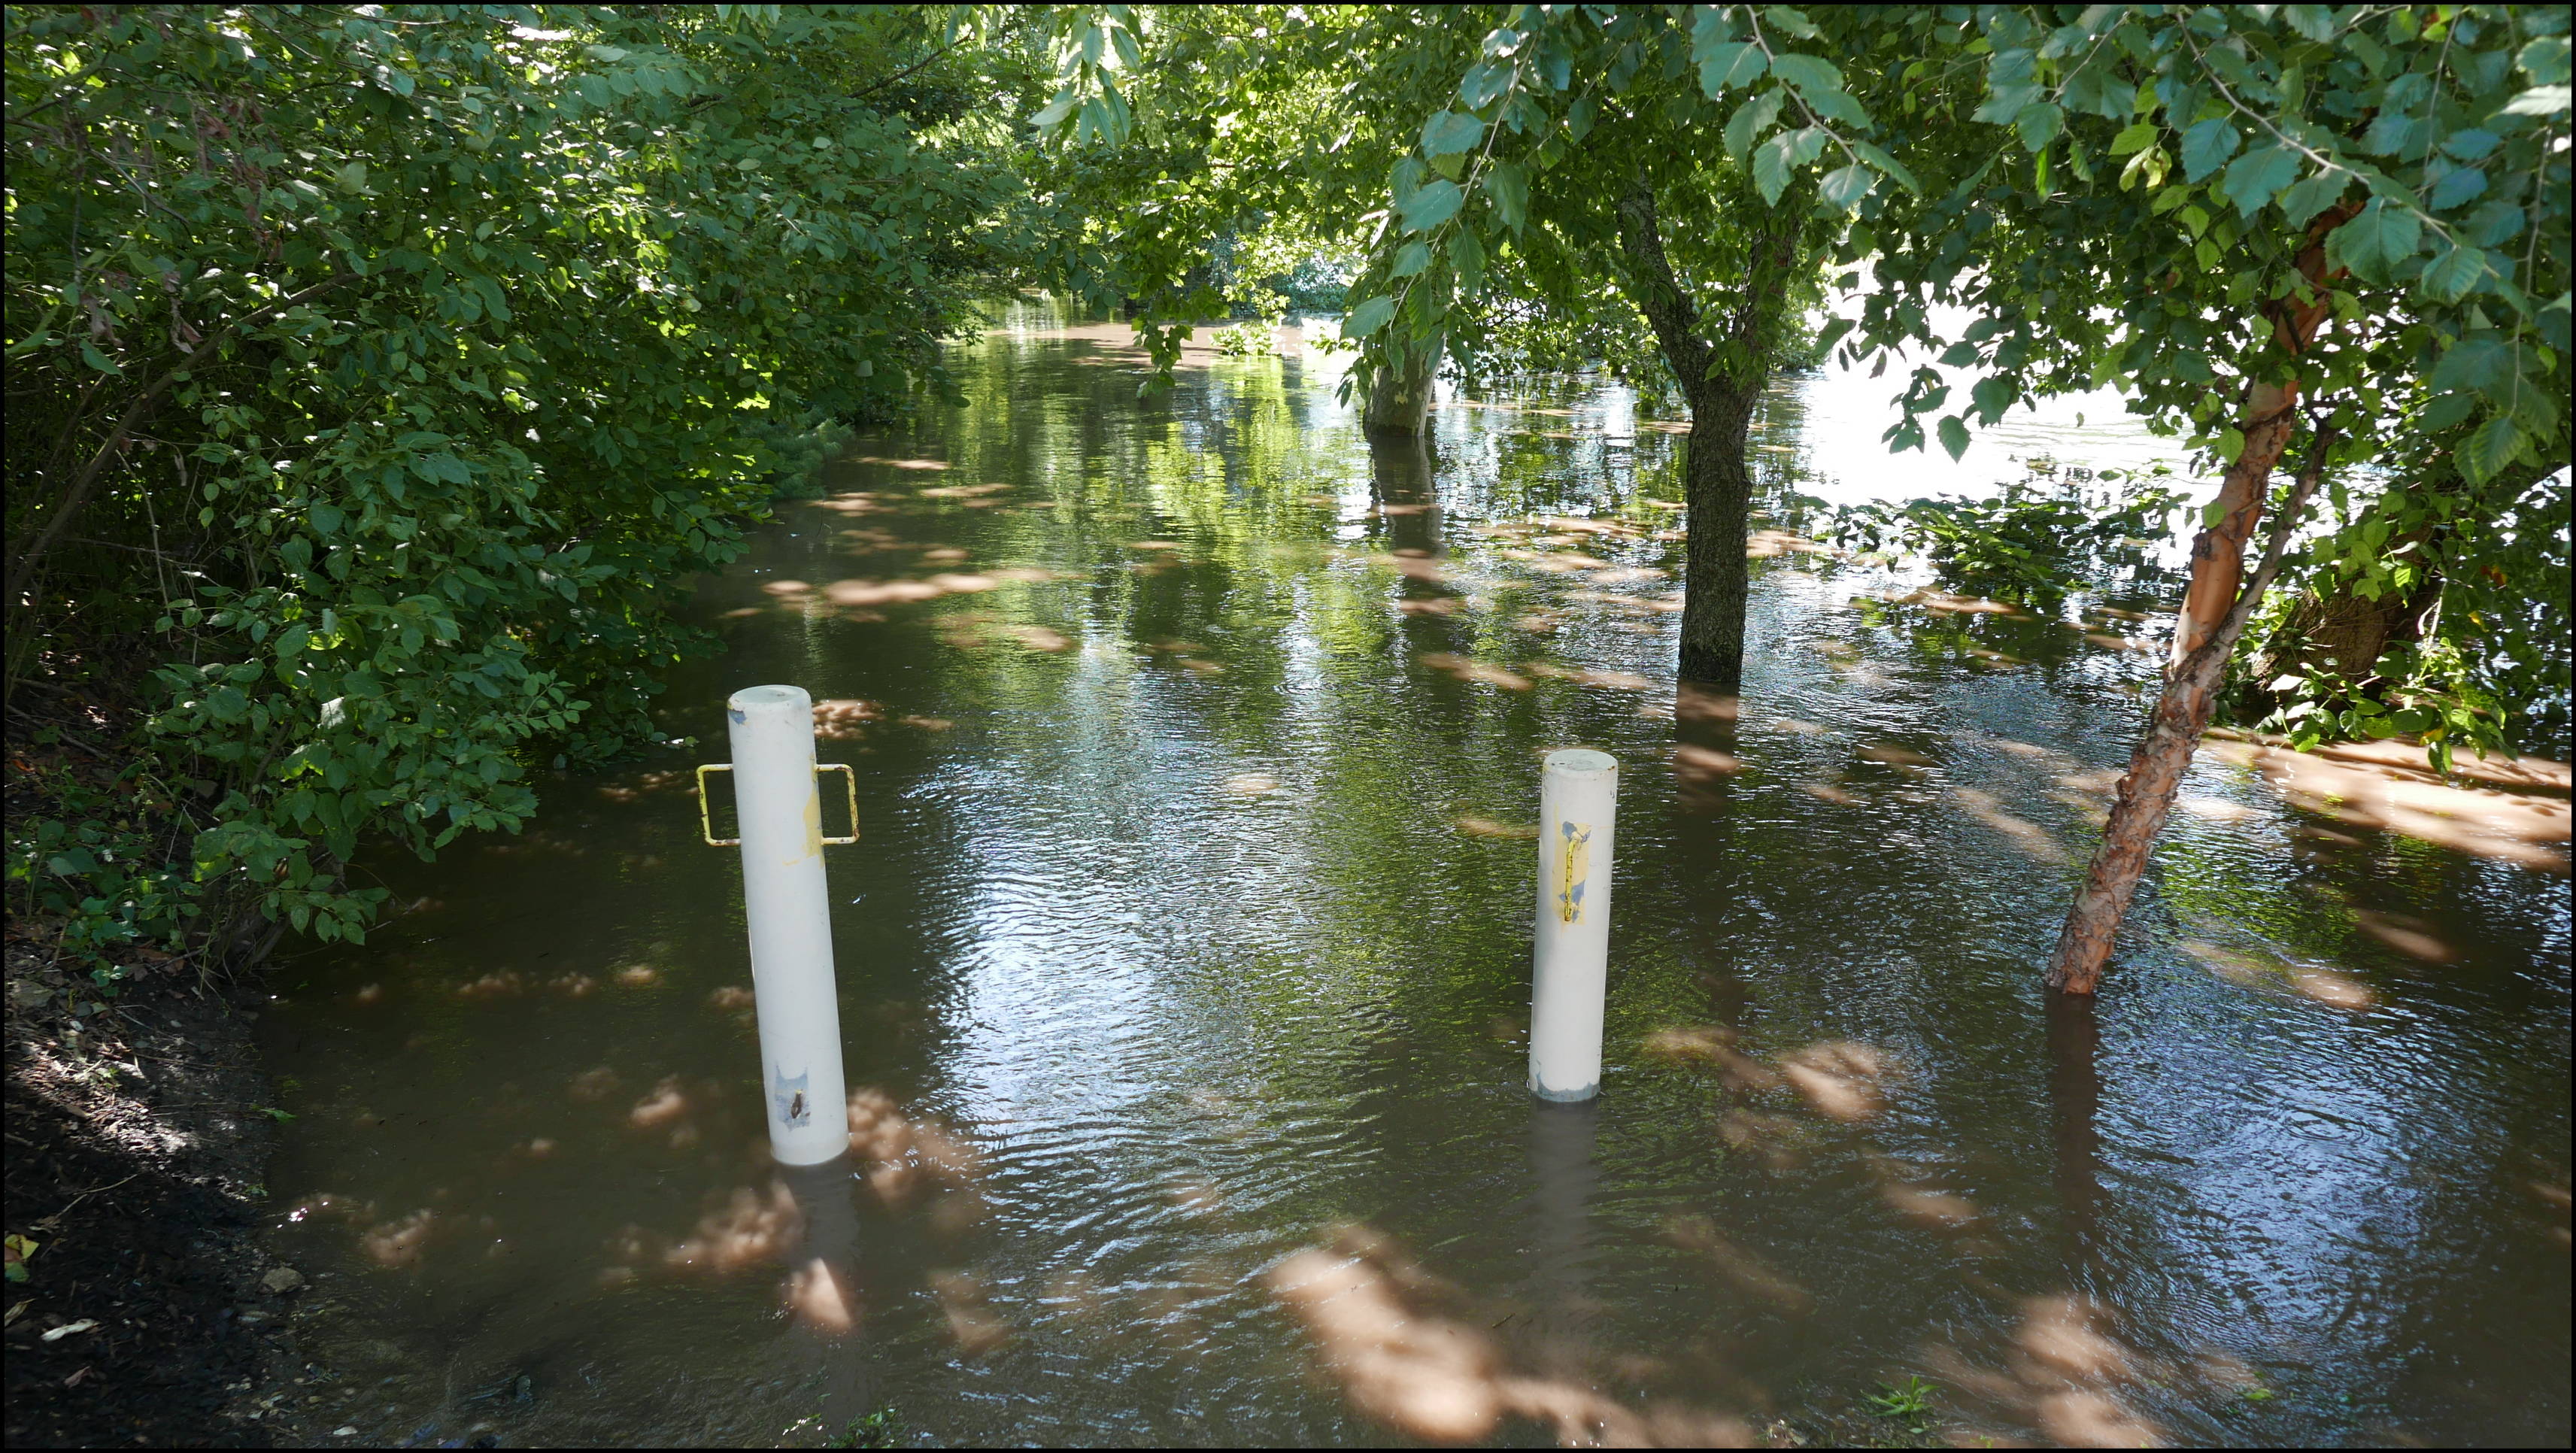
1810 75
2445 412
1751 120
1431 204
2314 22
1467 259
1846 186
2545 60
2039 123
1995 394
2206 147
2482 361
1411 258
2136 138
2455 274
98 360
2393 133
2538 101
1774 160
1784 18
2255 178
1735 63
1484 81
2457 186
2485 453
1451 132
1885 163
2317 193
1954 436
2495 224
1368 317
1508 185
2470 143
2374 241
1057 109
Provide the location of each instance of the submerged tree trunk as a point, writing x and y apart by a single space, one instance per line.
2214 611
1723 384
1718 485
2147 789
1399 396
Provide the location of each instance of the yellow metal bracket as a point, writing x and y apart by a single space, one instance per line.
850 779
706 823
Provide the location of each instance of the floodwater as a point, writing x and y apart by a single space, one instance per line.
1183 970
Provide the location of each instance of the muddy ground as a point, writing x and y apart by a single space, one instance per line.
150 1313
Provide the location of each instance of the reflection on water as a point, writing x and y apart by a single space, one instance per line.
1184 976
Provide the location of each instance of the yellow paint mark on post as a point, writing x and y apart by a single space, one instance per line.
1574 866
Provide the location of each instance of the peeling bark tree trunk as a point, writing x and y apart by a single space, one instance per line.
1399 396
2204 636
2147 790
2218 554
1722 387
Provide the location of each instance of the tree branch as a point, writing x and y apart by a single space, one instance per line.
22 569
1660 297
870 90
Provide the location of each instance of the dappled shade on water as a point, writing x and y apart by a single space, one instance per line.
1183 979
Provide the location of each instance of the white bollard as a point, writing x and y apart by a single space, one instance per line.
790 913
1578 807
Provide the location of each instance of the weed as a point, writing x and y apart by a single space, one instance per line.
880 1429
1908 1402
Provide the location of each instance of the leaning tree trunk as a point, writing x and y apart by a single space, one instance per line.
2147 790
2213 614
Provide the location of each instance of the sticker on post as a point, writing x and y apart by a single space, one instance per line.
1575 862
795 1108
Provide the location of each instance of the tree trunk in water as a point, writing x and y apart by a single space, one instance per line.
2213 614
1399 396
1718 485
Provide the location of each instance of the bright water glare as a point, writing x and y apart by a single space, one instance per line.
1183 974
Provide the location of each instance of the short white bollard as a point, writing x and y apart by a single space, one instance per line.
1578 807
790 914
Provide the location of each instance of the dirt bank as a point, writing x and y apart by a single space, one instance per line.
149 1313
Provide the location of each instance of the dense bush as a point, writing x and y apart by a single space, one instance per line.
376 371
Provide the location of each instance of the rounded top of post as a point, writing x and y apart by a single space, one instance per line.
1582 762
769 701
